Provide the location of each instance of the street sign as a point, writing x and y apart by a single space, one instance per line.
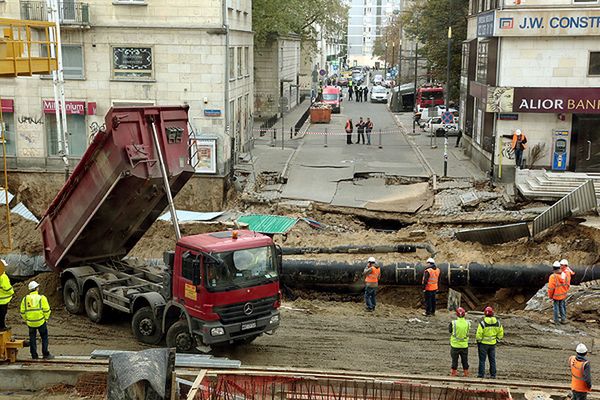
447 117
322 72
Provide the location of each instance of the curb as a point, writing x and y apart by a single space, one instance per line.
416 149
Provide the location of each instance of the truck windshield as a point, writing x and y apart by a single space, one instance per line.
330 96
241 268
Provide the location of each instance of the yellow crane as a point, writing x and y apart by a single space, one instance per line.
22 45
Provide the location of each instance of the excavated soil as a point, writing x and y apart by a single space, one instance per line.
332 331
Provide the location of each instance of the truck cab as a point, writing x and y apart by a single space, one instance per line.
225 289
333 96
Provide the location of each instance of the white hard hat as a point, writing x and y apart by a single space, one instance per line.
430 261
33 285
556 264
581 349
3 261
518 131
564 262
371 260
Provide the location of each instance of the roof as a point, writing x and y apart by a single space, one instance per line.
217 242
268 223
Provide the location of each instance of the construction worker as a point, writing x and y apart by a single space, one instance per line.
35 310
488 333
566 272
371 274
557 291
459 342
581 376
6 294
518 145
431 277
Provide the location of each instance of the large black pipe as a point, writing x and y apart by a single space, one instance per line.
360 249
308 273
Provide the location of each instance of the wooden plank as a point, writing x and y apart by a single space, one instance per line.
470 293
174 386
196 385
467 300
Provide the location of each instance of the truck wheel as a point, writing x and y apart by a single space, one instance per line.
94 307
145 326
72 297
178 336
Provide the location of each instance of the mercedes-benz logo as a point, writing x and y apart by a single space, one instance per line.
248 308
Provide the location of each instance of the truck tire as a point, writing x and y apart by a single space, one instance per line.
72 297
179 337
94 307
145 327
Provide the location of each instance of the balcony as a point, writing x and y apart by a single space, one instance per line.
71 13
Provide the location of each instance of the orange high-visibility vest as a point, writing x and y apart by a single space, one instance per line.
557 287
373 276
432 282
577 382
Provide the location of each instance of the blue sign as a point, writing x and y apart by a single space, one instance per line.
212 113
485 24
447 117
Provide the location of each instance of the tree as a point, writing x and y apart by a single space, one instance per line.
428 21
300 17
387 41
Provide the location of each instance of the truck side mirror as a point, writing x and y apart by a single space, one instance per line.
279 258
196 277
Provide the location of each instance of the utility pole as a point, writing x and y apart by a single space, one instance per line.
415 91
449 57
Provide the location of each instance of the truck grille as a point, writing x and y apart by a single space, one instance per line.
239 312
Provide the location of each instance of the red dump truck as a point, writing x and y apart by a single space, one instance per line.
216 288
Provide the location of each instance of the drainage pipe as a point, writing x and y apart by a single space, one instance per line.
311 273
361 249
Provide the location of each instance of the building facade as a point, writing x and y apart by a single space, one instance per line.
277 76
136 52
366 22
532 65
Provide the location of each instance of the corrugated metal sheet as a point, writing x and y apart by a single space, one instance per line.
268 223
190 216
24 212
494 234
579 201
3 196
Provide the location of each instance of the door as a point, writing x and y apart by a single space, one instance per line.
587 130
68 11
188 282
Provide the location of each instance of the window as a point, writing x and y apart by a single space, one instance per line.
77 135
239 62
231 62
132 63
72 60
594 68
187 266
482 61
132 2
585 1
246 60
464 70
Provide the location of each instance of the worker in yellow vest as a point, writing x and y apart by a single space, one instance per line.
581 376
459 342
35 310
6 294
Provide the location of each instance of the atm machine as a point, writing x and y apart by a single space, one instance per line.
560 149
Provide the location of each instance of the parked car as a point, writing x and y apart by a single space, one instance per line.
379 94
377 79
357 77
342 81
388 83
435 127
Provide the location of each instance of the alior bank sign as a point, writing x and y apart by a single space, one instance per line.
574 22
543 100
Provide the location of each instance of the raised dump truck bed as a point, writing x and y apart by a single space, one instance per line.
116 191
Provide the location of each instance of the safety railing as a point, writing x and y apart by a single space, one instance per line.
69 12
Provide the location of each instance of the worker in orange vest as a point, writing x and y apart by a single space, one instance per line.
349 129
581 376
518 145
431 277
371 273
557 291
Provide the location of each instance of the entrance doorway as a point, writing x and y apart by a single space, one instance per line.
586 132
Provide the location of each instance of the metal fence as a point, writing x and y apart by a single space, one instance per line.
69 12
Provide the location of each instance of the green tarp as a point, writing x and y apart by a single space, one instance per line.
268 223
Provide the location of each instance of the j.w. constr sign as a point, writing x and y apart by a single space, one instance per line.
575 22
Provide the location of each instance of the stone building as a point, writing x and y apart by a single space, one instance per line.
532 65
136 52
277 75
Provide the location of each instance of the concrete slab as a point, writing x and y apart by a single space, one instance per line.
315 184
405 198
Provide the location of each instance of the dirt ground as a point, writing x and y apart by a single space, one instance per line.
329 331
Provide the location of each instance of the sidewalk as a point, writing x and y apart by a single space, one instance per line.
432 151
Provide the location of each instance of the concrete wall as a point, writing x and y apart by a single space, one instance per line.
188 52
